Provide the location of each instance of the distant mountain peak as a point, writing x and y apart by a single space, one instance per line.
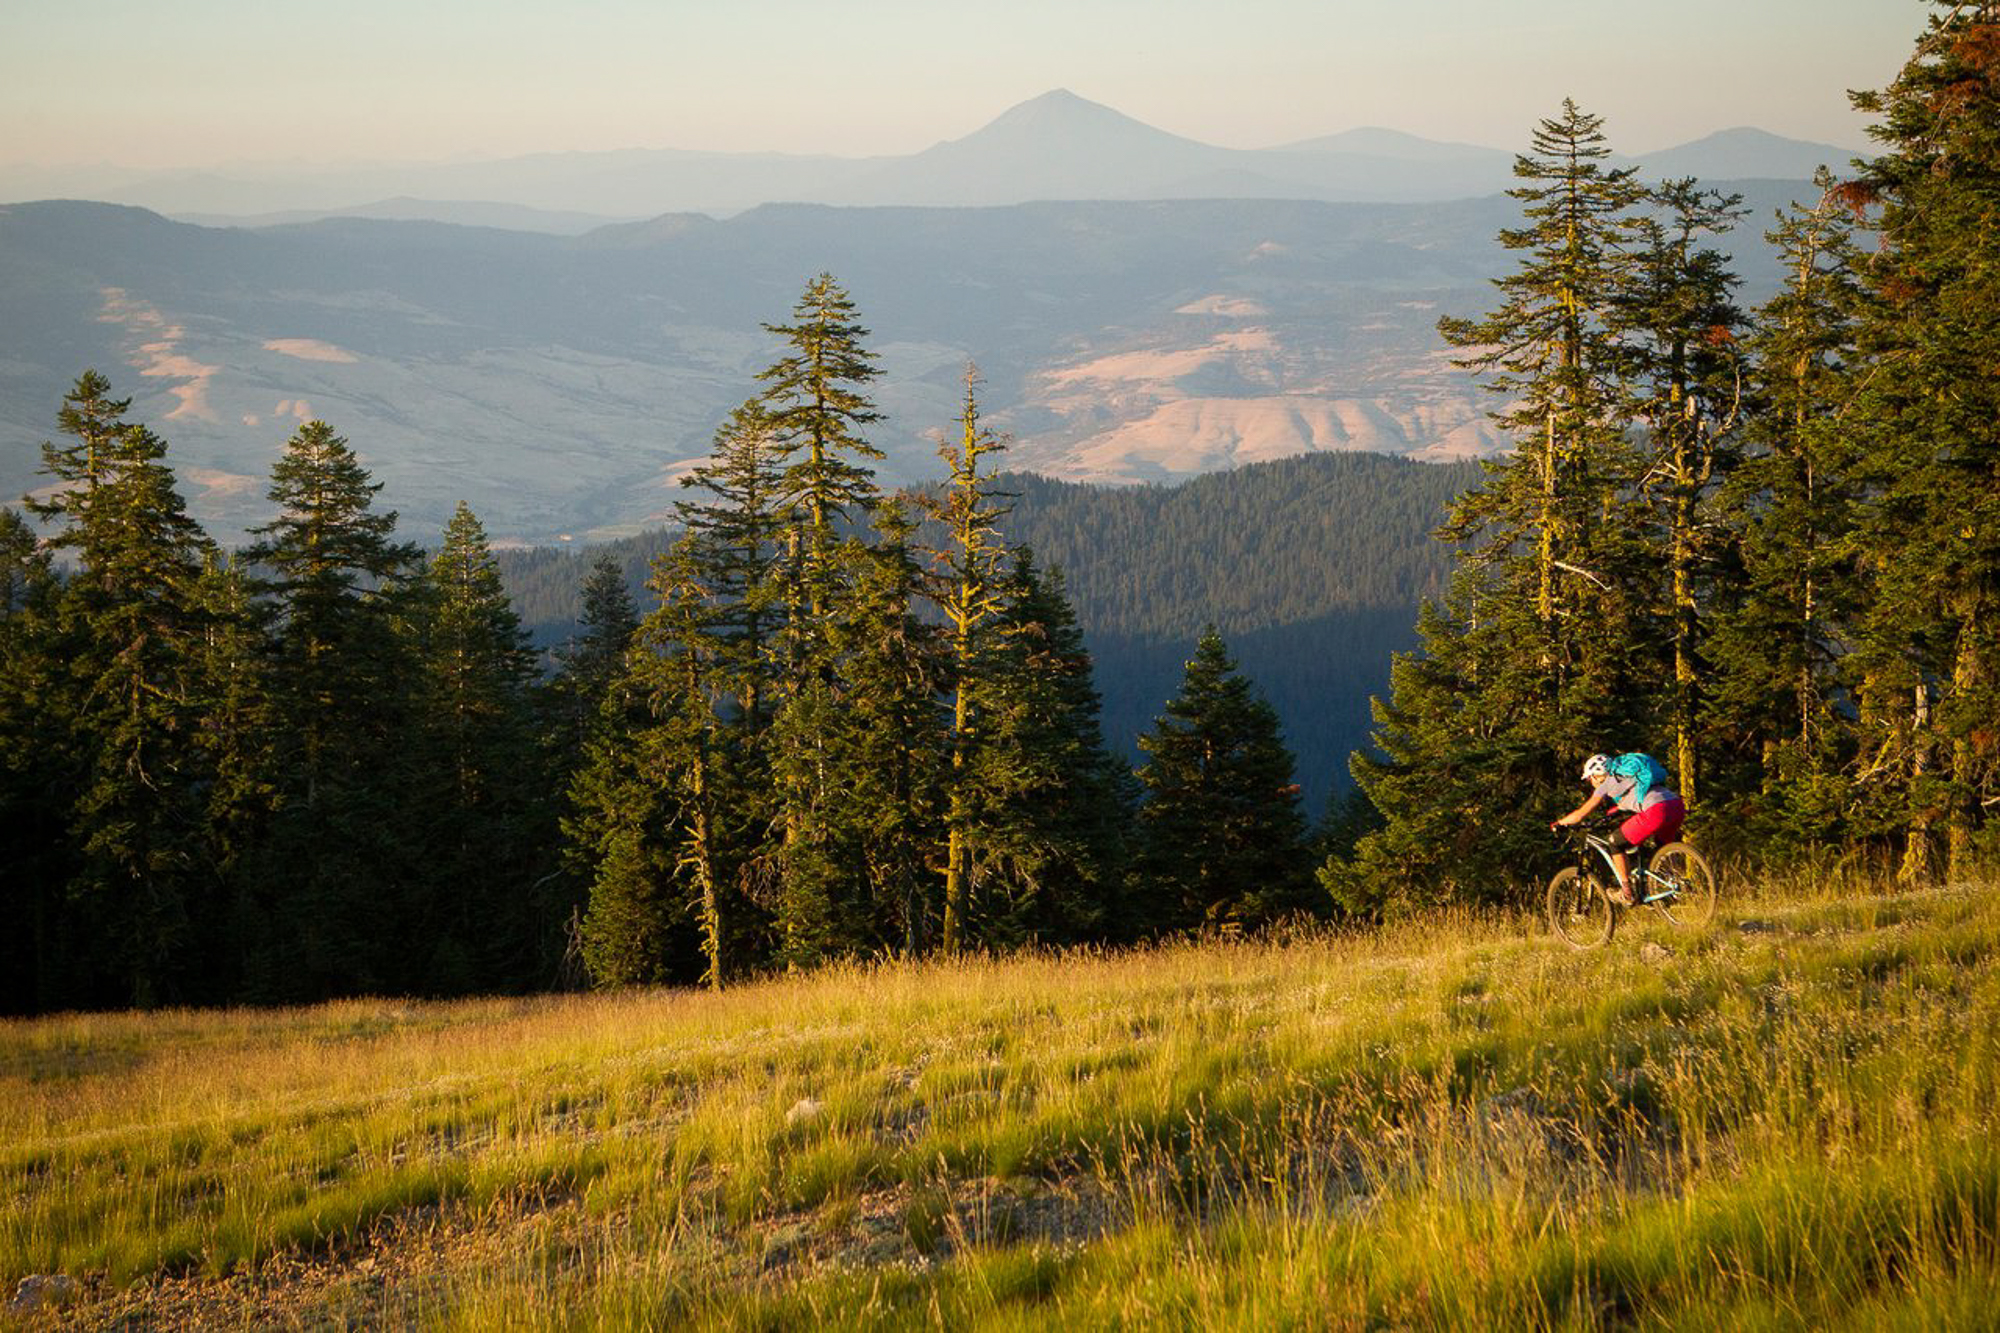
1062 112
1745 152
1058 101
1742 134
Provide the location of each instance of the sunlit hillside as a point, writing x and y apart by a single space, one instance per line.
1786 1120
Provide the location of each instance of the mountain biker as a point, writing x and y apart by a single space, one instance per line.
1655 813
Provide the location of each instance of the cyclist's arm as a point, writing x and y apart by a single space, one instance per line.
1584 811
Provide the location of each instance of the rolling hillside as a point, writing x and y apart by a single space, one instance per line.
561 384
1783 1121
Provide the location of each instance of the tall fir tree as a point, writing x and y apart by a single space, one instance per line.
1547 645
889 740
578 703
816 408
1048 809
1683 331
129 626
1552 352
335 889
672 874
1930 638
1221 839
589 664
734 536
1785 618
488 838
970 561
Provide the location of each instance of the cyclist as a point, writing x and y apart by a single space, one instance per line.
1655 813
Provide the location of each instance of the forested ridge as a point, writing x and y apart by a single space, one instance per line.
1761 543
1264 544
1312 566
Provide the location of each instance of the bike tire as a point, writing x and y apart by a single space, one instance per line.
1579 912
1688 873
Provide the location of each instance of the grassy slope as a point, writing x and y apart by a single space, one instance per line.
1789 1119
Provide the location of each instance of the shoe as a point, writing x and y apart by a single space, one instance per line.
1623 897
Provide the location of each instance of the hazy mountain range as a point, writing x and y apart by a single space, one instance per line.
561 384
1057 146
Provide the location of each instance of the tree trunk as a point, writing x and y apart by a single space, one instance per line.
1965 678
1916 867
1685 673
956 852
702 856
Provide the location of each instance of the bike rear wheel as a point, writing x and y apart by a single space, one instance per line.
1681 870
1579 911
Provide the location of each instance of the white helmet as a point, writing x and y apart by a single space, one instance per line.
1595 767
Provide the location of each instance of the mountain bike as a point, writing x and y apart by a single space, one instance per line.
1674 881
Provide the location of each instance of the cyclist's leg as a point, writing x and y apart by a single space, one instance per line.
1622 846
1654 826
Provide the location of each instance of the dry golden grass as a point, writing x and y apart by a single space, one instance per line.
1785 1120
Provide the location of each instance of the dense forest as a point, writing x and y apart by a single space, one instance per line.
1266 544
1312 566
1763 544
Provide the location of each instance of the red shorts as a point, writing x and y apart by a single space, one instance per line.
1662 821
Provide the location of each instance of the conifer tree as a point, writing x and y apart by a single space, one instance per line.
336 880
889 740
1784 622
129 626
1547 646
609 619
1221 839
1551 351
236 724
95 423
587 667
674 672
734 537
969 594
1684 329
669 818
819 905
623 838
1550 547
627 934
487 840
1930 639
1451 771
816 409
1048 808
579 700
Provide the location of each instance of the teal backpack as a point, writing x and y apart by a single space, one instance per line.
1644 770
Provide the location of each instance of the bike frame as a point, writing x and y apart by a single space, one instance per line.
1642 874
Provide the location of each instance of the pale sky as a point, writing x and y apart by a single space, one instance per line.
177 83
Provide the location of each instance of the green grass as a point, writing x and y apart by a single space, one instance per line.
1458 1124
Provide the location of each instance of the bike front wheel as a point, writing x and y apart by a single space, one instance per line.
1579 911
1681 872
